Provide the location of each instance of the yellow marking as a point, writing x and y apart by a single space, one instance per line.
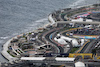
73 55
72 29
83 46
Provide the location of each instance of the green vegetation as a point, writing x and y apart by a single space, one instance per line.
94 51
74 49
24 36
10 53
30 33
20 50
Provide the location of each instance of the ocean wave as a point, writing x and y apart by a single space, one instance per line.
38 23
76 3
35 25
3 38
41 20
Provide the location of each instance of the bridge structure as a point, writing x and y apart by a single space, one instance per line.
73 23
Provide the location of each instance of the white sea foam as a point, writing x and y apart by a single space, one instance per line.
40 23
76 3
35 25
41 20
4 37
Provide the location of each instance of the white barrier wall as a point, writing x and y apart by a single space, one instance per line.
51 19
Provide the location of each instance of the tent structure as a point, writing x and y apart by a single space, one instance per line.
79 64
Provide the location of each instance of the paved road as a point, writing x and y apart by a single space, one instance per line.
86 48
90 47
48 39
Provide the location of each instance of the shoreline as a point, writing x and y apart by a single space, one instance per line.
51 20
4 52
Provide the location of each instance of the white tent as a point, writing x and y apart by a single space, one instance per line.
33 58
81 20
66 38
79 64
64 59
62 41
82 41
87 26
75 43
58 34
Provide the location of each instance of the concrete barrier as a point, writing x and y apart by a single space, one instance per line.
6 54
51 19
